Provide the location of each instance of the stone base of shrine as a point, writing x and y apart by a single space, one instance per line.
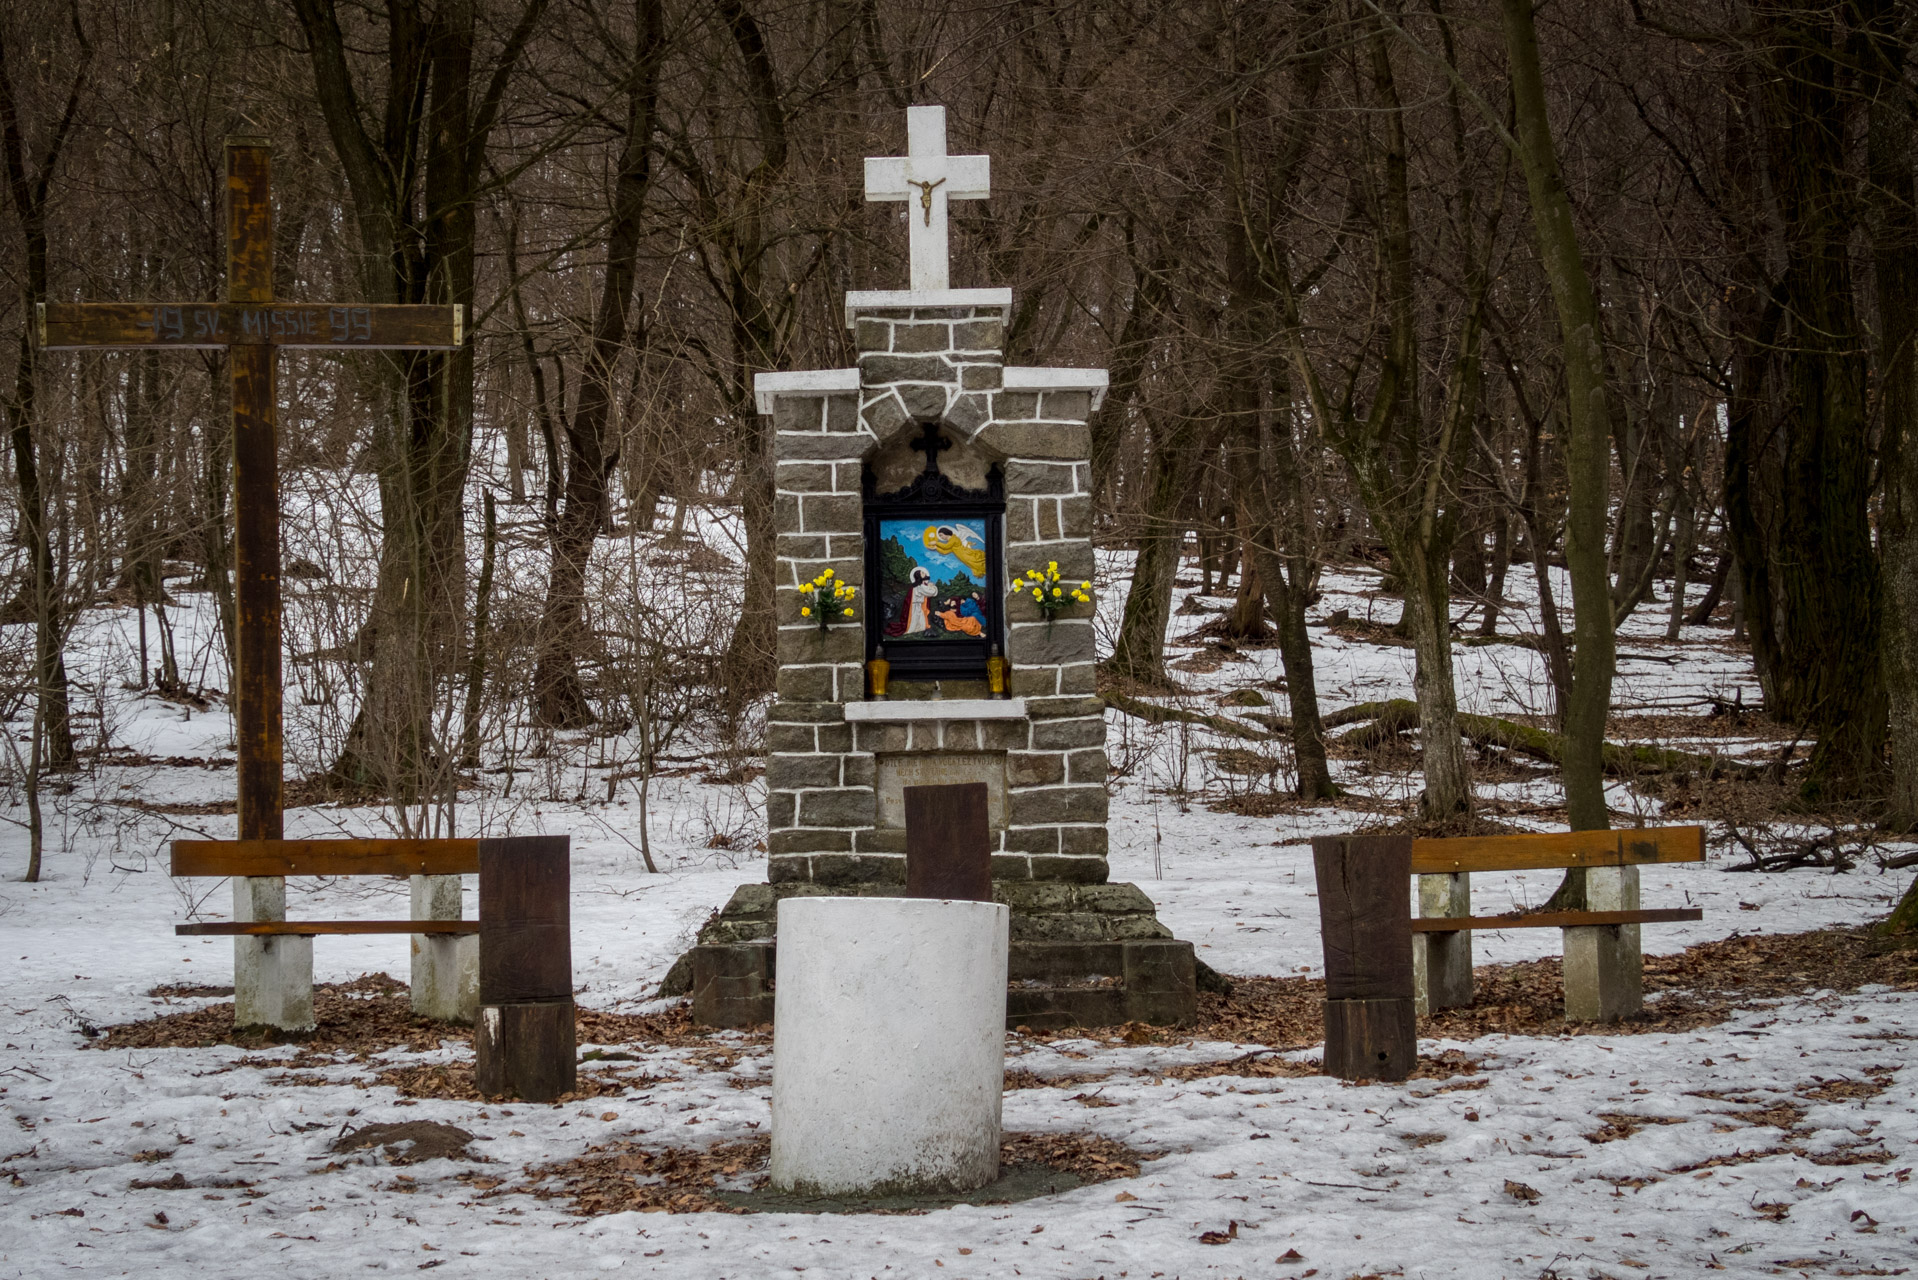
1082 955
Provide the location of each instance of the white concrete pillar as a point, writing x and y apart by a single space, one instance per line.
445 979
1442 962
889 1021
1604 968
272 977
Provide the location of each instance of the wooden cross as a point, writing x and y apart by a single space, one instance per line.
251 326
930 176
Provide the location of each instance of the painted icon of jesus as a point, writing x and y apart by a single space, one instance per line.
915 616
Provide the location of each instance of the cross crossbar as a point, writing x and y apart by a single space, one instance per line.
204 326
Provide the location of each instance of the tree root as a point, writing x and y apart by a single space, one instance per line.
1153 713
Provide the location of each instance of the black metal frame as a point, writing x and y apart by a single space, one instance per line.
933 495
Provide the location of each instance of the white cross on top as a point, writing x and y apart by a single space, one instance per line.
927 177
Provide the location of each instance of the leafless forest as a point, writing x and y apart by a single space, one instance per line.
1626 288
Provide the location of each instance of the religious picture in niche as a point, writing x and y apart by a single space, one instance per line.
932 579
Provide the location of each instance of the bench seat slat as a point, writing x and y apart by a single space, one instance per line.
1555 920
325 857
269 928
1625 847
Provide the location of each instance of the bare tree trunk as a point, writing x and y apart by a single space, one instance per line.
1714 591
482 628
1139 651
1501 564
1588 423
29 179
413 188
559 695
1683 544
1894 181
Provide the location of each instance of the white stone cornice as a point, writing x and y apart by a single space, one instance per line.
939 709
904 299
801 382
1096 381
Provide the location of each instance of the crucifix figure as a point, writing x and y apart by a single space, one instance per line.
928 174
251 326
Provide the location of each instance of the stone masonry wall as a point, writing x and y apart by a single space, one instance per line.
945 365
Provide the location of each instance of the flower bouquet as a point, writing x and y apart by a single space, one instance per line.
1050 593
826 598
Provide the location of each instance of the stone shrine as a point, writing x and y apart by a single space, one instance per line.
928 480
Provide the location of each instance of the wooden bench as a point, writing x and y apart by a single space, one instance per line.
1384 966
509 972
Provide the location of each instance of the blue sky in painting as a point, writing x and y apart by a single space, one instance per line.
911 535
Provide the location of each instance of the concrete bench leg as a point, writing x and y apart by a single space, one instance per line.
1604 968
445 979
1442 962
272 977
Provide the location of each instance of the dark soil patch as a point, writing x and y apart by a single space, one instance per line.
1220 633
625 1176
366 1015
672 1027
409 1141
1700 986
1366 631
454 1080
374 1012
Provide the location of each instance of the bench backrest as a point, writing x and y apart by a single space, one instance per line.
334 857
1628 847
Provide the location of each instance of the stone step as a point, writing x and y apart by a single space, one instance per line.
1050 984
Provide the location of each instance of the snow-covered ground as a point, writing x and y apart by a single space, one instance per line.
1484 1175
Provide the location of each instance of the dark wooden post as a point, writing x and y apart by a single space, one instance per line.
1365 919
256 497
948 842
524 1045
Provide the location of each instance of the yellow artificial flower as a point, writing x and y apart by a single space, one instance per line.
1037 595
846 612
805 612
1085 586
806 587
1057 593
824 574
1052 566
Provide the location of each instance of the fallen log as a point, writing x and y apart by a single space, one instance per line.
1399 715
1386 719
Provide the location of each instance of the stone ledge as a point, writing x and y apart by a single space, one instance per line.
1050 984
1025 378
912 299
939 709
802 382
